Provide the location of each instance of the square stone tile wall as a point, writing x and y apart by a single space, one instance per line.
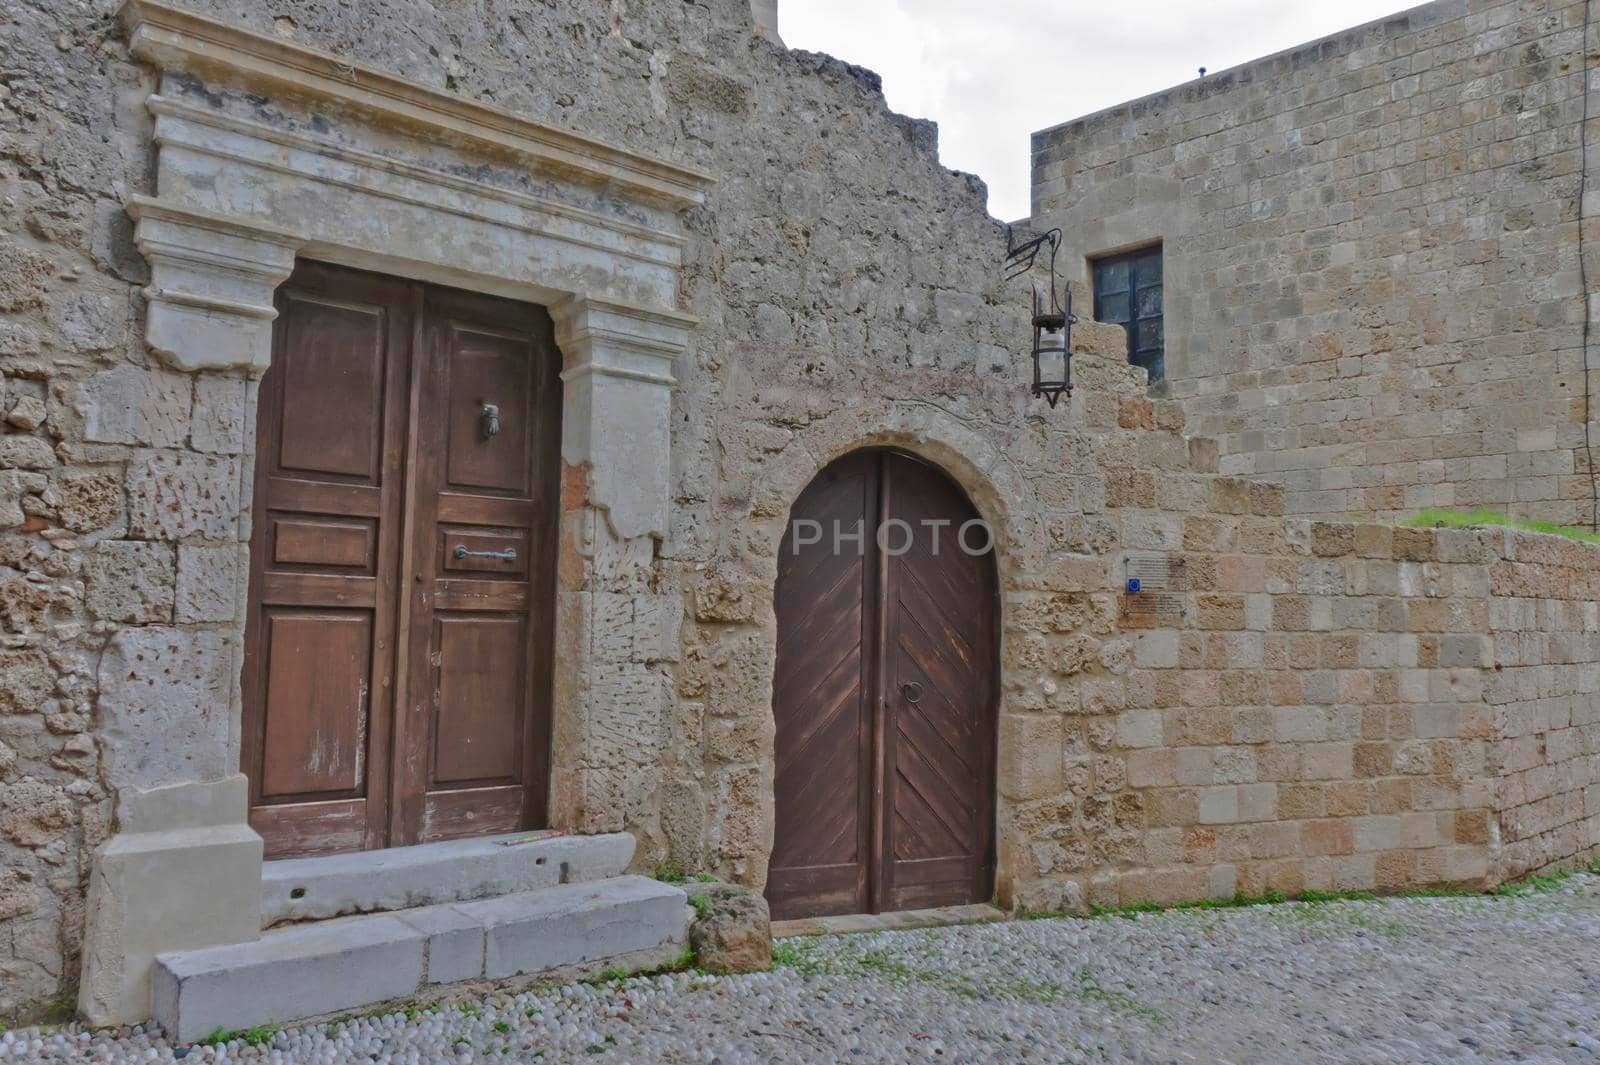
1373 293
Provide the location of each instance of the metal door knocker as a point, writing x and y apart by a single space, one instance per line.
912 692
489 418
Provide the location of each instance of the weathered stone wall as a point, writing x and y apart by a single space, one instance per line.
848 294
832 236
1372 287
1544 691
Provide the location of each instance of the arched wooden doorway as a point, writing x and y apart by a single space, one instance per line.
885 693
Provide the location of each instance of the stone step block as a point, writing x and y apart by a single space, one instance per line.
583 923
338 966
312 889
287 975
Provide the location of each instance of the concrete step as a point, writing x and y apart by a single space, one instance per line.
331 967
314 889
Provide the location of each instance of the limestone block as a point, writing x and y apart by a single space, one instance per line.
184 872
455 942
164 706
26 453
220 417
209 582
308 889
173 495
130 581
617 412
1030 756
1049 896
289 975
136 405
578 923
211 285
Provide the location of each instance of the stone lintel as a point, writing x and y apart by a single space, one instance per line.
181 40
212 278
617 414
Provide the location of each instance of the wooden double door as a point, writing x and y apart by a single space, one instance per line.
885 694
397 658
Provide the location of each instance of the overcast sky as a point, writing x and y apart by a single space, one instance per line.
990 72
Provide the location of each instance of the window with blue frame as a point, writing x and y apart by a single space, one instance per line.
1127 292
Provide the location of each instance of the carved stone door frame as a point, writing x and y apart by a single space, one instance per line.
269 151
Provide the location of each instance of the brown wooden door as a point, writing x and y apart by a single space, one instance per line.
884 694
396 673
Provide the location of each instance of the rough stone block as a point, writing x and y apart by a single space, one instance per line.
732 931
130 581
209 583
164 698
219 418
173 495
136 405
90 499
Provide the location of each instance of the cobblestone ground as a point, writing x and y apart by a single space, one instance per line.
1402 980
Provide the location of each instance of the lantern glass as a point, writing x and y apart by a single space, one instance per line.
1052 363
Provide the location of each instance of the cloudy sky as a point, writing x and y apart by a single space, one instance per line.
990 72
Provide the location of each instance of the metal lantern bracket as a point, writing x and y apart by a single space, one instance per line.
1052 319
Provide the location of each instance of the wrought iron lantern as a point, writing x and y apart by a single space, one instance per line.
1052 317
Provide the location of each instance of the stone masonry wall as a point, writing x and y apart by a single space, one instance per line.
1544 690
1372 283
849 294
832 232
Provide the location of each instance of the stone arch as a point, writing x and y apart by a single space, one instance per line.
991 480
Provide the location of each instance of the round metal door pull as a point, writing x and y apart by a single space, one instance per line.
912 691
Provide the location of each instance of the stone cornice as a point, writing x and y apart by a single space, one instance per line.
180 40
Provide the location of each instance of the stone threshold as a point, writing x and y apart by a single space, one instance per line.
429 874
938 917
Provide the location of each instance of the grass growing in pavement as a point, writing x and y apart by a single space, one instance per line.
1468 519
260 1035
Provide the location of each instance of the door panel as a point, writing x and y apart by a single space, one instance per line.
473 741
318 679
402 566
319 642
332 367
477 731
940 685
917 626
821 701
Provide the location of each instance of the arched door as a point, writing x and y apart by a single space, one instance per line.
885 694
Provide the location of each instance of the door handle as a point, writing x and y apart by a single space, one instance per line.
508 555
489 419
912 691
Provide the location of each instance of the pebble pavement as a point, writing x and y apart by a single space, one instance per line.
1403 980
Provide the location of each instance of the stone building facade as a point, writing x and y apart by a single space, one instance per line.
750 268
1374 293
